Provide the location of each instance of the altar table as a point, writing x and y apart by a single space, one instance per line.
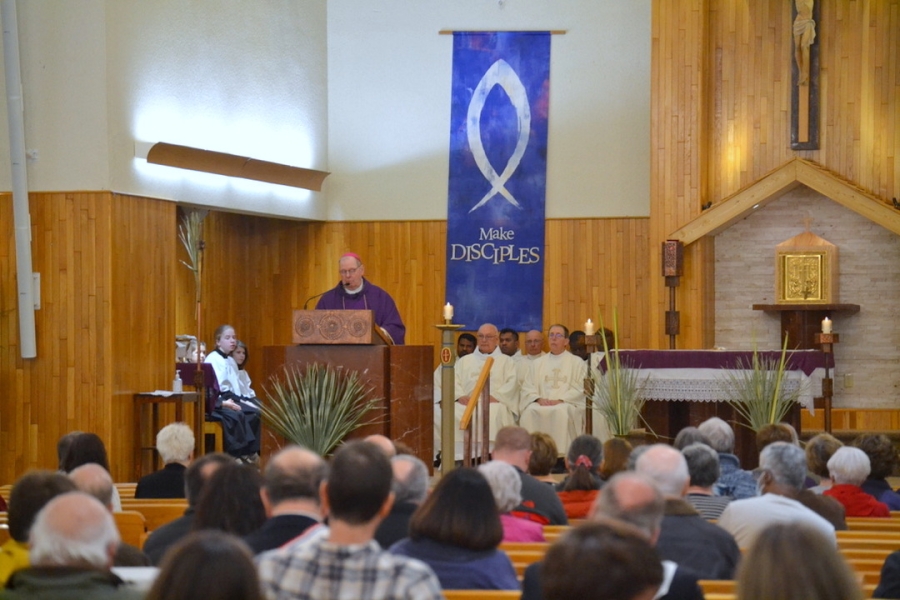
686 387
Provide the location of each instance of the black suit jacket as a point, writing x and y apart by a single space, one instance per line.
277 531
166 483
889 586
395 526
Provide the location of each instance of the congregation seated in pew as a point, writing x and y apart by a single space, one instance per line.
175 444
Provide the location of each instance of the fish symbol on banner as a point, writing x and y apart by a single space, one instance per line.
502 74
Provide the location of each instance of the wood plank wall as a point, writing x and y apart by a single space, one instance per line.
142 315
721 77
102 329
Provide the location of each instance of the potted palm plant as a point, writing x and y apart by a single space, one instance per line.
317 406
757 390
618 394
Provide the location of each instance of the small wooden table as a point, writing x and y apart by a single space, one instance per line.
154 399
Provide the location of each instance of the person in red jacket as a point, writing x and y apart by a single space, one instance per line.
849 467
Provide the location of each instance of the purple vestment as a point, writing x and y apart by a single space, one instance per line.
371 298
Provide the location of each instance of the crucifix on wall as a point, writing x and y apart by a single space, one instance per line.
805 77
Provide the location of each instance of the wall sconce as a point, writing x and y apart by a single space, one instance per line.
230 165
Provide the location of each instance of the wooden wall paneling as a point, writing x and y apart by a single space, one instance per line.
142 324
67 385
680 110
593 266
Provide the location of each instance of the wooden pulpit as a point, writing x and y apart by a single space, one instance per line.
401 375
337 327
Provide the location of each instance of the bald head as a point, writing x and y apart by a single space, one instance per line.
74 530
667 468
295 473
94 480
631 498
534 343
386 445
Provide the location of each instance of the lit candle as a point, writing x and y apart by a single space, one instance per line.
826 325
448 312
588 327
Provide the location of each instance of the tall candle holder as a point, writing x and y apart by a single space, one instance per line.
448 395
827 342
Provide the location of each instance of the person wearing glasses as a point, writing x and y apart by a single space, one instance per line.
355 292
553 392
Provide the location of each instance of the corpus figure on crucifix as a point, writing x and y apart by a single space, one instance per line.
804 36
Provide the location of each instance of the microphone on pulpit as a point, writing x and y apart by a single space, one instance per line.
305 304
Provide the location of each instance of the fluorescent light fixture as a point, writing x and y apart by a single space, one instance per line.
229 165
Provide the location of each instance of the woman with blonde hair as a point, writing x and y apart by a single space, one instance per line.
790 560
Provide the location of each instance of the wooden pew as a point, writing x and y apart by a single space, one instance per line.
156 512
131 526
552 532
854 553
126 490
718 586
869 535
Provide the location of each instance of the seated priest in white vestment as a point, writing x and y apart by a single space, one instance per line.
534 349
504 388
553 392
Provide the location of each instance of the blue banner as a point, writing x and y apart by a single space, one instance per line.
498 178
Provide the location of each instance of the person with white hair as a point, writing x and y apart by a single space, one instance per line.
175 444
849 467
506 485
685 537
73 541
733 481
94 480
782 471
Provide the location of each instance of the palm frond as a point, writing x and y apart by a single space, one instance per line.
190 232
756 391
619 394
317 406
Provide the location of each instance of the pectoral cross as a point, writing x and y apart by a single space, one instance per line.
556 379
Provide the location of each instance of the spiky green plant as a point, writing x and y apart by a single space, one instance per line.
619 394
756 390
317 406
